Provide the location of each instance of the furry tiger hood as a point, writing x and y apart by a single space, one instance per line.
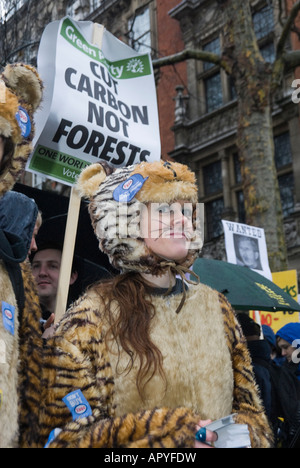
117 200
20 95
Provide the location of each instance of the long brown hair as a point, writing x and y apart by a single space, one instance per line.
131 327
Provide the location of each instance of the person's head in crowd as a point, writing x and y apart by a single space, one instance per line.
250 328
46 262
248 252
270 337
288 340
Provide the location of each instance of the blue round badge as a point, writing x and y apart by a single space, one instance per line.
127 190
24 122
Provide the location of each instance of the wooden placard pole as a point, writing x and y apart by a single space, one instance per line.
67 255
98 31
71 226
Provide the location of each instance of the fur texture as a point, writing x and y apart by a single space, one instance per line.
20 375
198 386
8 367
31 362
23 87
166 182
25 82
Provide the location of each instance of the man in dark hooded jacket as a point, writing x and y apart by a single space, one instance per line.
279 387
18 215
261 359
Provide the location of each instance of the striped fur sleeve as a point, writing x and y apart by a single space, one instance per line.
246 400
77 359
30 365
156 428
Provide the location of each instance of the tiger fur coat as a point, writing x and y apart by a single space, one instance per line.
207 368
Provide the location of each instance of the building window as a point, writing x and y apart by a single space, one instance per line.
214 47
263 22
214 204
213 211
268 52
139 31
212 80
212 178
240 201
283 151
283 162
237 169
286 188
232 89
213 92
241 206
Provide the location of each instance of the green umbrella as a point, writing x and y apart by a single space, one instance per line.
244 288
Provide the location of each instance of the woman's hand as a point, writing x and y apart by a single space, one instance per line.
209 436
49 328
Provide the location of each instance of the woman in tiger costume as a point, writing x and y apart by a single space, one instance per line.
146 358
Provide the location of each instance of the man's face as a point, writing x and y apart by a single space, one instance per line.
248 254
45 269
287 349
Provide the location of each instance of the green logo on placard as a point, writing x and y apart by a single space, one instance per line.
133 67
59 165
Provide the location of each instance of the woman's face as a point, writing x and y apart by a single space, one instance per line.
168 228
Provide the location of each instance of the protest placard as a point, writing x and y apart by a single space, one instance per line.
246 245
99 106
288 281
100 103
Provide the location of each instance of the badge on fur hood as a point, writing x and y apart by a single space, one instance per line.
24 122
127 190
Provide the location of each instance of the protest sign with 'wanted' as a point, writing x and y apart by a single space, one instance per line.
100 103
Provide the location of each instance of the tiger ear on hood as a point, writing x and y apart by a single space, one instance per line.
21 92
90 179
25 83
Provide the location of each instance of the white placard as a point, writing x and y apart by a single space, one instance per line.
246 245
100 103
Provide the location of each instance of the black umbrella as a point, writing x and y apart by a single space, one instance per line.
244 288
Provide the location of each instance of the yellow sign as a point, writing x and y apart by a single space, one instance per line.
286 280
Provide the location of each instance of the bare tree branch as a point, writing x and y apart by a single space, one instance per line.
285 61
287 28
291 60
196 54
18 49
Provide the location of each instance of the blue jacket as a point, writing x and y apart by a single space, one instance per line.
291 333
18 214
